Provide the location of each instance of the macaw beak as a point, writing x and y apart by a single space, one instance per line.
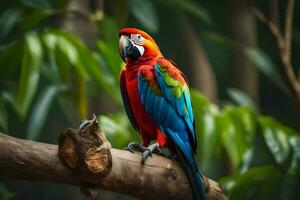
128 49
124 45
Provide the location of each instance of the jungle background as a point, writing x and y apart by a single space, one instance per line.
59 63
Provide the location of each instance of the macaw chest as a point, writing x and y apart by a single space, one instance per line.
134 96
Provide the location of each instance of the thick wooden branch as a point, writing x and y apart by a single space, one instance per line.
97 166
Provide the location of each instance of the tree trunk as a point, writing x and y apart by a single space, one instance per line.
243 31
202 75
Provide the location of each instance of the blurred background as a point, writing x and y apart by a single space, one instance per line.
59 63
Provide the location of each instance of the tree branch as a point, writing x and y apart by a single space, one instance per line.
272 26
289 15
284 46
100 166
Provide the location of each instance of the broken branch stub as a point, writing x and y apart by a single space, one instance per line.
85 151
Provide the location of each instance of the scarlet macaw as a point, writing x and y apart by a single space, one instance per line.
157 101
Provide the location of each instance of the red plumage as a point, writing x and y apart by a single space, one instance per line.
146 126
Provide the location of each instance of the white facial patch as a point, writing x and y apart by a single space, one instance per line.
141 49
137 39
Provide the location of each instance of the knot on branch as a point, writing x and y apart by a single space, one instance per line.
85 150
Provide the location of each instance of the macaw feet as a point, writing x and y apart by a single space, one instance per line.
83 125
152 148
146 151
135 146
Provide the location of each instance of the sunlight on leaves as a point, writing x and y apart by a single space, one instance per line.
40 111
264 63
277 139
241 98
254 184
32 59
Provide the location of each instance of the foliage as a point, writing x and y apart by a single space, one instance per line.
5 194
46 62
245 138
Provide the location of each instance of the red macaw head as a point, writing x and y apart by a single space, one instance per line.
135 44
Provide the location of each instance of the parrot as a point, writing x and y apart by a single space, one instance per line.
157 101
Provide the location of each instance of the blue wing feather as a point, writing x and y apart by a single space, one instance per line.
175 117
167 109
182 105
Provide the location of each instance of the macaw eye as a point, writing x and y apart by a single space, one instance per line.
138 38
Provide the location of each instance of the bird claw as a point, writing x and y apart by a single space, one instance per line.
83 125
146 151
149 150
145 156
134 145
158 151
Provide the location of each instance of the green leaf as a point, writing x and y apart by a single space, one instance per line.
57 58
227 182
84 60
111 57
218 38
95 68
295 163
255 183
63 66
50 40
32 60
32 19
264 63
238 127
112 62
42 4
145 12
5 194
7 21
289 187
277 138
40 111
10 58
207 132
190 7
71 52
118 129
241 98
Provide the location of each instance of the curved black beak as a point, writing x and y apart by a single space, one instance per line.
128 49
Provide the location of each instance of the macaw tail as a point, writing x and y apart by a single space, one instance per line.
195 178
187 159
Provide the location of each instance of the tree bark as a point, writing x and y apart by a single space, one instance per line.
102 168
